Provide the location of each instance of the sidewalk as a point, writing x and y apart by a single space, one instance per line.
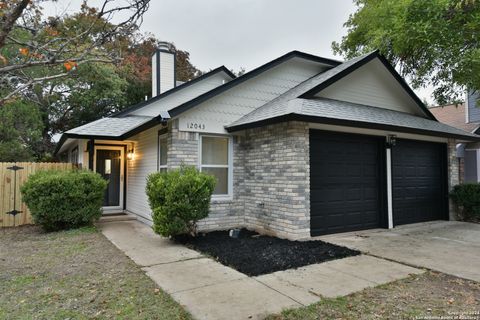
210 290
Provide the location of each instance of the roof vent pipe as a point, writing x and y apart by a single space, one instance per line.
163 69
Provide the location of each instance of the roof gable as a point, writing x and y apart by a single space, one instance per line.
374 85
249 75
245 97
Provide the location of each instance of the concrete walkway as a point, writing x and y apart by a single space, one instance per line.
450 247
210 290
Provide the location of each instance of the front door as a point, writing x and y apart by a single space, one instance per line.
109 164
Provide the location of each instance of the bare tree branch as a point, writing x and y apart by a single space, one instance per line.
50 62
9 20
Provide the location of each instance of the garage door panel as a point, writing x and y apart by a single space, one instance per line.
418 181
345 179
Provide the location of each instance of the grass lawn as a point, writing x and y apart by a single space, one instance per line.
417 297
75 274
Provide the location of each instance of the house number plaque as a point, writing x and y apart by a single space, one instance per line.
195 125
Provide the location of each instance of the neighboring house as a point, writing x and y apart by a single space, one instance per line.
465 116
300 146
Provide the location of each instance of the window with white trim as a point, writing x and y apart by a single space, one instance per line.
216 160
162 153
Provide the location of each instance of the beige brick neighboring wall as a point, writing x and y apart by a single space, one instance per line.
453 174
277 179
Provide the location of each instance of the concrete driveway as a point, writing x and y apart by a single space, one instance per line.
447 246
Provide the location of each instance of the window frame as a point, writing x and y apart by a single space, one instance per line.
229 166
161 166
74 155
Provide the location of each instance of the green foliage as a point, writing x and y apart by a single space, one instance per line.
20 131
434 42
64 199
78 66
467 198
178 199
96 91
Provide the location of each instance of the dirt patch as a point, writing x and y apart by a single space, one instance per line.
430 295
76 274
255 254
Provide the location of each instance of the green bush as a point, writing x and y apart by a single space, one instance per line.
61 200
178 199
467 199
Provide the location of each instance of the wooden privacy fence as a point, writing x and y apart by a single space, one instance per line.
12 176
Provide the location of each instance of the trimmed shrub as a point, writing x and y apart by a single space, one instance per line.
61 200
178 199
467 199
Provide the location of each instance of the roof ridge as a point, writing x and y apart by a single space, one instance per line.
292 93
252 73
173 90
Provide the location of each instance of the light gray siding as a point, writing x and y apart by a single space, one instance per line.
473 112
236 102
145 144
373 85
470 163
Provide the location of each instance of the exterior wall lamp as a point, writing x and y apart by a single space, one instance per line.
391 140
131 153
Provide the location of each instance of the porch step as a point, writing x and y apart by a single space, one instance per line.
117 217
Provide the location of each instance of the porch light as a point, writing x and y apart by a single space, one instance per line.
391 140
131 154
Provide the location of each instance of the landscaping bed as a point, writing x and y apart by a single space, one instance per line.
255 254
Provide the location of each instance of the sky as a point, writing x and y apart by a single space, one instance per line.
243 33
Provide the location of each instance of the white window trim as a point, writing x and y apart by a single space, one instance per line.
163 166
229 195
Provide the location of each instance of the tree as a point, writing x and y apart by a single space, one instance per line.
79 67
136 66
20 131
35 49
433 42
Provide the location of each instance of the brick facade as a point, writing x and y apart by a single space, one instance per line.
277 179
271 178
453 174
183 148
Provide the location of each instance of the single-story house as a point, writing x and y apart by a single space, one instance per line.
465 116
300 146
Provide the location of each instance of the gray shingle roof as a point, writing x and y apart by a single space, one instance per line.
334 111
327 110
110 127
273 107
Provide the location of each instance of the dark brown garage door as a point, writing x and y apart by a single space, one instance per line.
419 184
346 182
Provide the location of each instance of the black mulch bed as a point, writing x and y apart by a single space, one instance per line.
255 254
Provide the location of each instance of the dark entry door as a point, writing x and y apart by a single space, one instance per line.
108 164
419 184
346 182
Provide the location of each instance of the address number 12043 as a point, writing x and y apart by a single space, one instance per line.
195 125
